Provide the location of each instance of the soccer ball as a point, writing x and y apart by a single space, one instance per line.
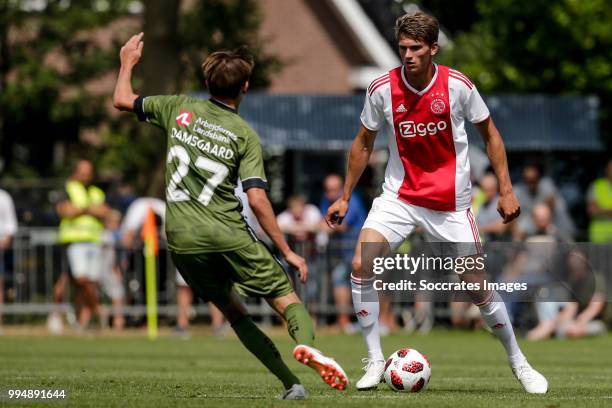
407 370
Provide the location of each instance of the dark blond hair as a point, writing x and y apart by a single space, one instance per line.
225 72
417 26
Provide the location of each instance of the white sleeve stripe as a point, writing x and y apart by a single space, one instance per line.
454 71
374 82
386 81
458 78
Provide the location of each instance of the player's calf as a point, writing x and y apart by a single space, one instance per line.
299 324
496 316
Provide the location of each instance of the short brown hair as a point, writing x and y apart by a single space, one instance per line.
418 26
225 71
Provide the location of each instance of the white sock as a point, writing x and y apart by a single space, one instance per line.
496 316
367 309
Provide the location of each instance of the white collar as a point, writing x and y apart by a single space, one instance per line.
414 90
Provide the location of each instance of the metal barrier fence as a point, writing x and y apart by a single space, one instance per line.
37 263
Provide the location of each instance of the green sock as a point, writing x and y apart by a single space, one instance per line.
262 347
299 324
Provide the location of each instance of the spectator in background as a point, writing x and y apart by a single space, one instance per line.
132 223
485 197
184 301
301 222
125 196
534 262
537 263
135 216
535 189
599 207
490 225
8 228
131 226
120 194
341 247
111 277
543 228
82 210
583 314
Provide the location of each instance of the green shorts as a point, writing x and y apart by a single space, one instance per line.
251 270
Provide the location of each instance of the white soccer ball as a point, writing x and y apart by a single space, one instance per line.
407 370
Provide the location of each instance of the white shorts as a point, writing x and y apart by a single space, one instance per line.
396 220
84 260
179 280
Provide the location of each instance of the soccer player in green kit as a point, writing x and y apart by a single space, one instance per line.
210 147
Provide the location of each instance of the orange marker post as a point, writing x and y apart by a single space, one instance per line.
151 248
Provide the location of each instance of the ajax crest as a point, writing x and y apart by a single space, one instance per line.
438 106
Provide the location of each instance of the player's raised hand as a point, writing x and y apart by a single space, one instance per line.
508 207
336 213
298 263
132 50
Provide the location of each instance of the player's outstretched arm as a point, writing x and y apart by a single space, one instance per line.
260 204
508 206
124 96
361 150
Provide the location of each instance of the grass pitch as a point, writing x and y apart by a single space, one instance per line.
468 370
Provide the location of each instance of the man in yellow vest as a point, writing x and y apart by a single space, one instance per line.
599 207
82 213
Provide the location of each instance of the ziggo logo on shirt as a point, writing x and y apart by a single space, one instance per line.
408 128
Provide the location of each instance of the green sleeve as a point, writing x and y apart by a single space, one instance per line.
157 110
251 169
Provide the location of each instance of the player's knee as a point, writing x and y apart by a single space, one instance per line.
231 309
232 314
356 266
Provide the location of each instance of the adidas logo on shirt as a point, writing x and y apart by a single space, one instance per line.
401 108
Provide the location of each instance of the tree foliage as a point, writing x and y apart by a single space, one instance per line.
220 24
47 54
537 45
540 46
54 53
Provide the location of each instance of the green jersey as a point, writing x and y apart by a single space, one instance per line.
210 147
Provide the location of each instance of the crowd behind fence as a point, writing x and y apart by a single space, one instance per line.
36 263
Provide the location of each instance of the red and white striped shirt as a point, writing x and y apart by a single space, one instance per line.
428 147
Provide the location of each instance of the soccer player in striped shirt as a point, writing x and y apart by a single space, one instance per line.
423 106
